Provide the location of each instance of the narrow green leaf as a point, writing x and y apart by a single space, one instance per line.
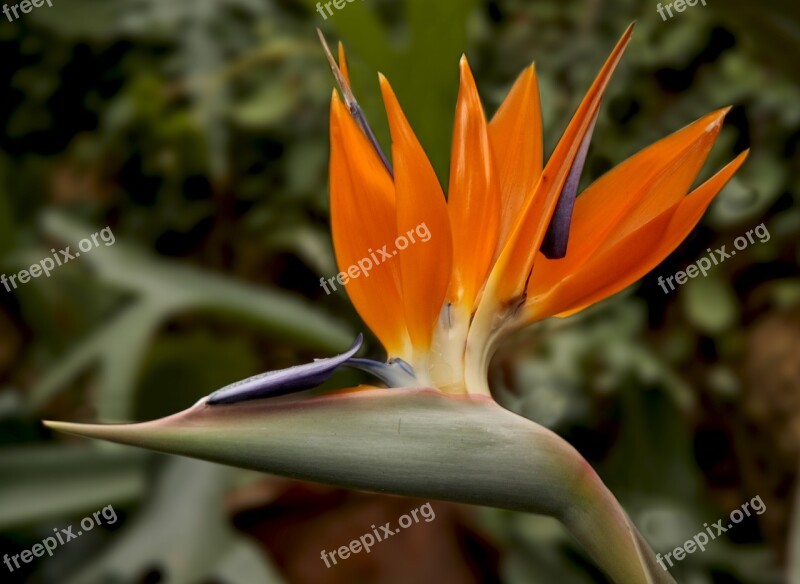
87 478
182 531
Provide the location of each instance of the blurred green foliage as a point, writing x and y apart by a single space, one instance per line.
197 130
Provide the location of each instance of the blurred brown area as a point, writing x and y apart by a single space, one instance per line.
303 520
770 439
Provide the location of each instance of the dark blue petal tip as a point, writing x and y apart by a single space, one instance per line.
554 245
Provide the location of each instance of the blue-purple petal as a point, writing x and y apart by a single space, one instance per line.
283 381
395 373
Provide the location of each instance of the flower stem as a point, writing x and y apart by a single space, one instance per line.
600 524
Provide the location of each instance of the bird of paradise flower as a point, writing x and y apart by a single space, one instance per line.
511 245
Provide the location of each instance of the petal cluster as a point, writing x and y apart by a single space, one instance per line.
512 242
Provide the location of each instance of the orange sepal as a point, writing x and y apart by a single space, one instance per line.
343 63
513 267
473 195
516 137
629 196
633 256
692 207
425 265
363 220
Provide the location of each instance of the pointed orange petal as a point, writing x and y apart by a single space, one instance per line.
607 273
630 195
363 221
516 138
425 266
513 267
685 170
692 207
343 63
633 256
473 195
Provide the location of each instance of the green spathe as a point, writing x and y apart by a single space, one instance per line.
417 442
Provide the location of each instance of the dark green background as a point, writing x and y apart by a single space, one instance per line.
197 130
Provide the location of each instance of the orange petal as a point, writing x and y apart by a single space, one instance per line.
633 256
516 138
630 195
363 221
425 266
473 195
691 208
685 168
513 267
343 63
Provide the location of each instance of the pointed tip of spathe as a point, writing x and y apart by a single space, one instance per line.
146 434
52 424
68 427
86 430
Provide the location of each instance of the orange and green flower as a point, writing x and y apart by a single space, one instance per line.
512 243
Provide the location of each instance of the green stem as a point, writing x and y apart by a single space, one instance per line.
600 524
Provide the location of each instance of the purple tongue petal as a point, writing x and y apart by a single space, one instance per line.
283 381
554 245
